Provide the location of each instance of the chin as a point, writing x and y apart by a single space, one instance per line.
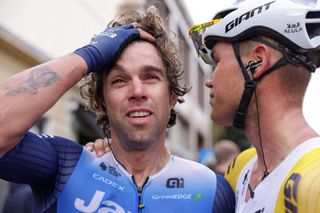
139 144
215 118
134 146
212 117
220 120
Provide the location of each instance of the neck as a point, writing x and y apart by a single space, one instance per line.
280 133
142 163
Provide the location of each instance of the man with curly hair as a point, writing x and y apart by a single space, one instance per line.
132 82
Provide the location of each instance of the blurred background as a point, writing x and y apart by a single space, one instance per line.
34 31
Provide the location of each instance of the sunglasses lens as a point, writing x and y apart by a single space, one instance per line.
196 33
197 39
200 48
205 55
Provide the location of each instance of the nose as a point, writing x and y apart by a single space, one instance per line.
137 90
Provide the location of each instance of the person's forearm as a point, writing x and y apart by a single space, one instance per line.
26 96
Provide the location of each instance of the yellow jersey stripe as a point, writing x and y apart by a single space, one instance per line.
235 168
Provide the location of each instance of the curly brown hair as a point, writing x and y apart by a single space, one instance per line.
91 88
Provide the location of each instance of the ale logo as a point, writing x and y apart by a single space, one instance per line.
175 183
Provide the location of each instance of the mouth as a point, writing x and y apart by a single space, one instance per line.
139 117
211 98
139 114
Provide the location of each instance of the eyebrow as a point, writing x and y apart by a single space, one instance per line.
145 68
151 68
117 67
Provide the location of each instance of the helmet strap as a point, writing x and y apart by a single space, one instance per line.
281 62
249 87
288 56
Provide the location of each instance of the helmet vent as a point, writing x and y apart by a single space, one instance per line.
313 24
313 15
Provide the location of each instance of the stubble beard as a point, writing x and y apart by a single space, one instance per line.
138 140
221 115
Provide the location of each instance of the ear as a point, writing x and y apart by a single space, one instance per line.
262 53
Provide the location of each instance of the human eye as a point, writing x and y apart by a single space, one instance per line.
152 76
215 60
118 82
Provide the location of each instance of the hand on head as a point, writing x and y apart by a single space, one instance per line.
105 48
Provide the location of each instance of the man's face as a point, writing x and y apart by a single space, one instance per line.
226 84
137 98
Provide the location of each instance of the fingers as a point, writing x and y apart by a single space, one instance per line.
90 146
146 36
100 146
135 25
143 34
106 145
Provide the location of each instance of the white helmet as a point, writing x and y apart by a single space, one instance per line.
294 23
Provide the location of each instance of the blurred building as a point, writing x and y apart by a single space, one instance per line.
35 31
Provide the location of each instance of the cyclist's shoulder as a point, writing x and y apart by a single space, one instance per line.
236 166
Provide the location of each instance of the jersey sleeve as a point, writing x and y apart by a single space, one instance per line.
300 191
225 198
235 167
44 162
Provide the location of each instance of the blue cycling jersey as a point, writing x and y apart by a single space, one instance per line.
65 177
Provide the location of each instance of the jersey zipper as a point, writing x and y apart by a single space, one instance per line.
140 204
139 190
